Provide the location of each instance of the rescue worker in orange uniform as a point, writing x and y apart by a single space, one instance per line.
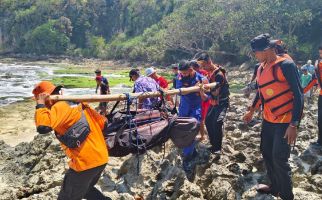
317 80
79 130
281 97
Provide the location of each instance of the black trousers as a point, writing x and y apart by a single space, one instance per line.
214 123
276 153
80 185
320 119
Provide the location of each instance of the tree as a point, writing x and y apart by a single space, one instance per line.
45 39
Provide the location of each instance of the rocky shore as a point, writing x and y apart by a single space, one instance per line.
35 170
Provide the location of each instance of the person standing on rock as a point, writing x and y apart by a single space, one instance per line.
204 104
103 84
306 78
281 97
317 80
190 106
79 130
219 102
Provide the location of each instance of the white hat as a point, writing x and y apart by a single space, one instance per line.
309 62
149 71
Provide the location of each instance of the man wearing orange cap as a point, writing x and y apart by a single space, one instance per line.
79 130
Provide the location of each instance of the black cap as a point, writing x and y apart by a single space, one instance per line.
262 42
134 72
97 71
184 65
203 56
194 64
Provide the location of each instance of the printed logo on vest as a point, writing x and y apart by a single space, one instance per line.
270 92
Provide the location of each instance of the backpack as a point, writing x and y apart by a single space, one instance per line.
184 131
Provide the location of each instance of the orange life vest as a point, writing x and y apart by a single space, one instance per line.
276 95
211 77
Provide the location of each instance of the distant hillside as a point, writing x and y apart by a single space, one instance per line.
157 30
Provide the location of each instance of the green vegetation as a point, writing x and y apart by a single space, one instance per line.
74 82
236 87
86 76
161 31
84 82
73 70
45 39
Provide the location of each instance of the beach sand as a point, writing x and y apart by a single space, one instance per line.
17 122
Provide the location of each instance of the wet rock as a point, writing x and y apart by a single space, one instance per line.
316 181
219 189
234 167
317 168
189 190
243 127
236 133
240 146
309 157
126 196
230 127
240 157
300 194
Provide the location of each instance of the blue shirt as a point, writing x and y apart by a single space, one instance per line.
104 85
192 99
310 68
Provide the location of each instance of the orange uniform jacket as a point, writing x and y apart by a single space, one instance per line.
93 151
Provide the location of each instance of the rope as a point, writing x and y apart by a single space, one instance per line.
161 106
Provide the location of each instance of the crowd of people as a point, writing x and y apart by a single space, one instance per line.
279 85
